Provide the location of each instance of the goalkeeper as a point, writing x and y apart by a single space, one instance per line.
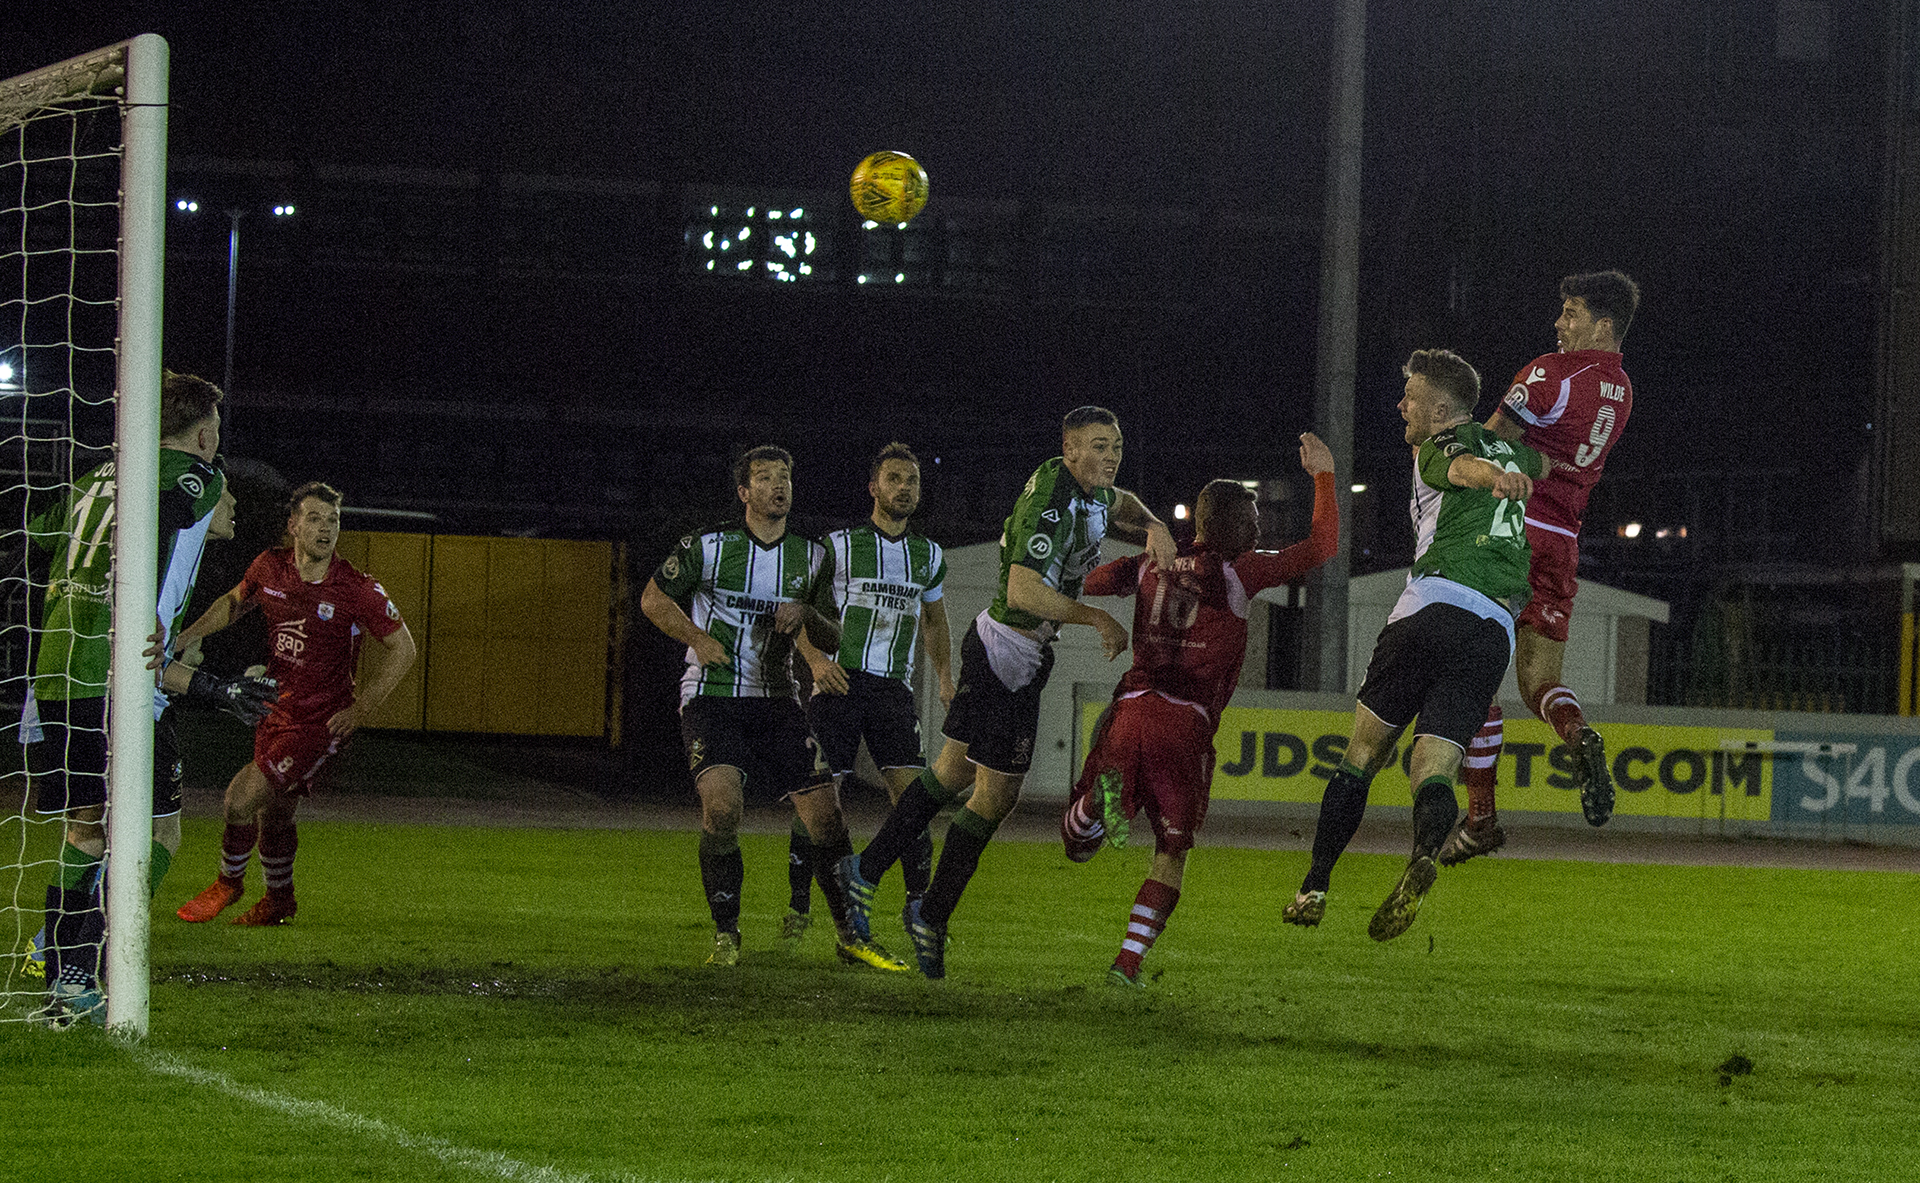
64 720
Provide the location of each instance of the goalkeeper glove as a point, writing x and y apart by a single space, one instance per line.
246 698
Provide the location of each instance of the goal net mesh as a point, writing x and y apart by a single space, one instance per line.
60 233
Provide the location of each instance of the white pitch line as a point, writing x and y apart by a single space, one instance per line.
484 1162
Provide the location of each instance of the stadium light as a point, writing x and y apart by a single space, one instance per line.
1630 530
1180 513
189 205
1357 488
6 377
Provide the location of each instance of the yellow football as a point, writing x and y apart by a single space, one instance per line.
889 187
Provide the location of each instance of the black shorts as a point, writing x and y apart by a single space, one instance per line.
879 710
1443 665
68 766
998 725
765 738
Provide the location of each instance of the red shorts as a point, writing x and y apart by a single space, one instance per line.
292 752
1164 752
1556 565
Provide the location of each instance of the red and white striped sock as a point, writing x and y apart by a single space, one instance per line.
236 848
279 842
1560 710
1082 821
1479 771
1150 911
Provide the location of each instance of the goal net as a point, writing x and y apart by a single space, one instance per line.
82 195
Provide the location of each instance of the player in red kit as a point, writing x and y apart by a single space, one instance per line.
1571 407
1153 749
318 608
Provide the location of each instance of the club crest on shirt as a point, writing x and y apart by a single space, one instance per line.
324 610
795 583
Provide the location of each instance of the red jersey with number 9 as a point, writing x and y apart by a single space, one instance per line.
314 630
1574 407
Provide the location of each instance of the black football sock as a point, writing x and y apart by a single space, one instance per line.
76 930
799 868
916 867
1434 812
825 855
722 872
1341 808
959 859
920 804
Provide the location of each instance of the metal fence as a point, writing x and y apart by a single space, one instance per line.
1840 666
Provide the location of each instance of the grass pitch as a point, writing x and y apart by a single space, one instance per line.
522 1004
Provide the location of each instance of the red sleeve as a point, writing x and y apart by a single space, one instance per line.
1118 578
1534 392
376 612
1261 569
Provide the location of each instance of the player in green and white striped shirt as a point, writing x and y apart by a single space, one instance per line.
736 596
888 584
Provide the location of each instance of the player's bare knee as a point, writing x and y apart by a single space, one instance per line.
898 779
246 792
1432 757
1169 866
994 795
166 831
953 768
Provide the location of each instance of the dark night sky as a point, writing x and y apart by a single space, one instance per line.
1508 143
1129 103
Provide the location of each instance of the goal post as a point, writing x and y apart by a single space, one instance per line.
83 147
143 199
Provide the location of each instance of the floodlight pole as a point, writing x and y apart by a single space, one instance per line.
233 289
1324 655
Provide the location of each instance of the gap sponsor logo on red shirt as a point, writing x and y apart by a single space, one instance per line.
290 639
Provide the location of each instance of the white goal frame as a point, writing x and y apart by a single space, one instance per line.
139 67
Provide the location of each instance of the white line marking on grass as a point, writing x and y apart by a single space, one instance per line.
485 1162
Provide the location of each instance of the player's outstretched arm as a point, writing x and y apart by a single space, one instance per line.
1262 569
671 619
1131 521
1027 592
939 643
219 614
1471 472
393 664
1507 429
